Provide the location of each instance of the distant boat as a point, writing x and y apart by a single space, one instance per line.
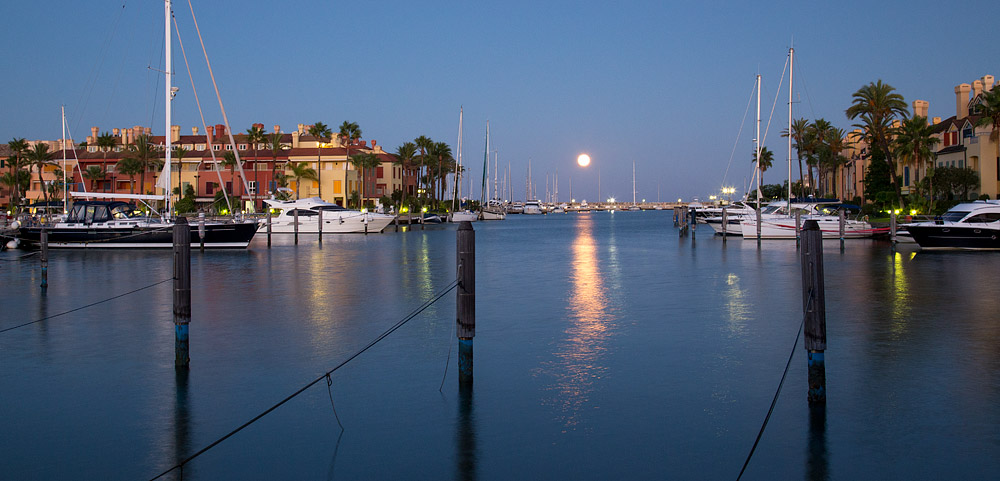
533 207
972 226
460 215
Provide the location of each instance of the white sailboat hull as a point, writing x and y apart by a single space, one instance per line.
784 228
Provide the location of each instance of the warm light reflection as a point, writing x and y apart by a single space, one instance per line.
578 365
900 293
737 305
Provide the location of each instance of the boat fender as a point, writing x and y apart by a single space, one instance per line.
16 224
13 243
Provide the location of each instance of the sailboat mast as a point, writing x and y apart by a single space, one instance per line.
791 63
486 167
458 166
757 141
633 182
65 195
168 87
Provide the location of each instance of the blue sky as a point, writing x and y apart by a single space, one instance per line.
663 84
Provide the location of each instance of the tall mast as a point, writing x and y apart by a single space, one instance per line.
756 141
791 60
168 94
486 167
458 166
65 196
633 182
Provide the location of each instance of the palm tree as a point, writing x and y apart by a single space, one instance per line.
302 171
404 156
18 147
106 142
442 154
914 145
229 160
766 160
255 137
129 166
18 180
832 159
38 157
424 143
877 104
144 152
320 131
990 110
275 145
179 154
363 163
93 174
799 127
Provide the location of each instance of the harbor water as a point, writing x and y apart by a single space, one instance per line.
607 347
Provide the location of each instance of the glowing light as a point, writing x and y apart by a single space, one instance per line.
913 211
424 209
611 199
404 210
583 160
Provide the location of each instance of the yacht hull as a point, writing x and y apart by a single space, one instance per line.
217 236
955 236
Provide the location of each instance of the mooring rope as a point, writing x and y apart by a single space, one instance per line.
780 384
84 307
325 375
21 257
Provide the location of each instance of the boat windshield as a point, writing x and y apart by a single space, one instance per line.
954 215
330 208
984 217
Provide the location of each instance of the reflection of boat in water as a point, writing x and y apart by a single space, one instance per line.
100 224
336 219
972 225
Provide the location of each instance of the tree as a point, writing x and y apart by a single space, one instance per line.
799 127
129 166
179 154
229 160
914 145
404 157
442 158
877 104
38 157
303 171
831 158
18 147
363 163
321 132
93 174
18 181
106 142
766 160
255 137
424 143
990 111
144 152
275 145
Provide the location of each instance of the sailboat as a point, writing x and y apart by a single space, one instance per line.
781 224
635 205
493 208
464 215
105 224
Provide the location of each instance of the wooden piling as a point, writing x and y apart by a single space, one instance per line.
798 227
182 291
269 228
201 231
814 309
45 257
694 222
758 224
892 227
842 226
295 215
466 300
319 220
725 224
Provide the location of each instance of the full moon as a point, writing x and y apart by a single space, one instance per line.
583 160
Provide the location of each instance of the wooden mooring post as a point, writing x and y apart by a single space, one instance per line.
843 223
201 231
814 309
295 219
725 224
892 227
758 224
269 228
45 257
319 220
182 291
466 301
798 227
694 222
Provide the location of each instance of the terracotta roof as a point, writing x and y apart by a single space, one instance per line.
946 124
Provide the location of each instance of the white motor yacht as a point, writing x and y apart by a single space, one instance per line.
336 219
971 225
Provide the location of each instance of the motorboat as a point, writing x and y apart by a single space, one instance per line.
515 208
464 216
336 219
532 207
101 224
971 225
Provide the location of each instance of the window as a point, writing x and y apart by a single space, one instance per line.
229 186
216 147
242 146
91 148
379 172
252 186
199 147
272 185
210 188
906 176
337 186
229 146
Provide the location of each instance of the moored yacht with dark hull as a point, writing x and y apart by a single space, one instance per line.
971 226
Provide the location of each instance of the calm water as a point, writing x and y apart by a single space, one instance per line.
607 347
